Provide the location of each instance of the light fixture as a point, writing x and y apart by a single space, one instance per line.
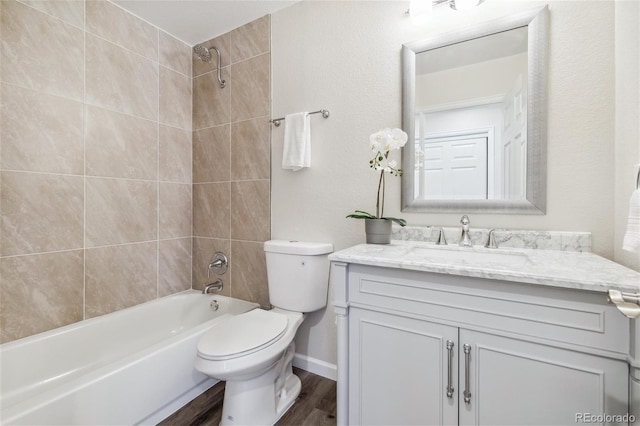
420 11
464 4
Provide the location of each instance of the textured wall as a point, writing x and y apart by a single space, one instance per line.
95 190
231 160
627 155
345 56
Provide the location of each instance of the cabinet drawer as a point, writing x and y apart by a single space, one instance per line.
568 316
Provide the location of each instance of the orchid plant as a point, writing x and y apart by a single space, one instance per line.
381 144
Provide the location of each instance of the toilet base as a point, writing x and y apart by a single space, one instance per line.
263 399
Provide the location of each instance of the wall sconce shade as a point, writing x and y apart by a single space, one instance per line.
464 4
420 11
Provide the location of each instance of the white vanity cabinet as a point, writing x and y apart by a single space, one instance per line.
413 344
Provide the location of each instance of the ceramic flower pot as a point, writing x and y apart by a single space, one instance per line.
378 231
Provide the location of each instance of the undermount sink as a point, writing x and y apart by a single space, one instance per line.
467 255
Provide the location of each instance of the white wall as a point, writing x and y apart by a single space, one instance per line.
627 121
345 56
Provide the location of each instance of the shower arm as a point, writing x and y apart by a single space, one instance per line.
222 82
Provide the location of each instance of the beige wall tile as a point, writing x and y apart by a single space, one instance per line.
250 149
175 210
118 277
250 88
40 212
119 145
211 210
70 11
222 44
175 155
203 250
121 80
211 154
250 217
174 267
57 68
210 102
251 39
41 133
249 272
40 292
120 211
175 99
118 26
175 54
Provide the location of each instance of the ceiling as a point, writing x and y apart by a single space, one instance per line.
195 21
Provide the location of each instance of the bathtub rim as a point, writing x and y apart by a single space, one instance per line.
11 408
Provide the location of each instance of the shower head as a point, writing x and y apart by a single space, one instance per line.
202 52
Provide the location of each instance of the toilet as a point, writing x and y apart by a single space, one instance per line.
254 351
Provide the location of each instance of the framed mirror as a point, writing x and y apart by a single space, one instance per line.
475 109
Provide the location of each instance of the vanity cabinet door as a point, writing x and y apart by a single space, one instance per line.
513 382
399 370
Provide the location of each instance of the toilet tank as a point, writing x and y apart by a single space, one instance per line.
298 274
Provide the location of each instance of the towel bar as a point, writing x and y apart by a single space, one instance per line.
324 112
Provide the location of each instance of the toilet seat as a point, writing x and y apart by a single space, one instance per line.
242 335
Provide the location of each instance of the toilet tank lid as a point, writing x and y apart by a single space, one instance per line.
297 247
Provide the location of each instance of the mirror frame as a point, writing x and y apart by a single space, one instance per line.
537 23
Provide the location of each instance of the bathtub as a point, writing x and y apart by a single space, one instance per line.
134 366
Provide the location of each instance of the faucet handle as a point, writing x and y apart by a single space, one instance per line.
219 264
441 241
465 220
491 240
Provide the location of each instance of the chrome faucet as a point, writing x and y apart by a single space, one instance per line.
216 285
465 241
491 240
441 241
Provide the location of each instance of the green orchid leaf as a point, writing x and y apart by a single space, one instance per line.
367 213
358 216
400 222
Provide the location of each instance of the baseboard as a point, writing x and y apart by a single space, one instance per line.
315 366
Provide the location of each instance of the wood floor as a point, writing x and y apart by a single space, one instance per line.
315 406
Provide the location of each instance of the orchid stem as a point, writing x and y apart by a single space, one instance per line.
383 186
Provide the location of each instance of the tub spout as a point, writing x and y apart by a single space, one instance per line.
216 285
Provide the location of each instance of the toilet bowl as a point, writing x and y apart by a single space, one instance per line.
254 351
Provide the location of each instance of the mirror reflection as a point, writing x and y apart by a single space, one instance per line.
471 119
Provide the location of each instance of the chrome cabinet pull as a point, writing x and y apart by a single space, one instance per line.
450 388
467 366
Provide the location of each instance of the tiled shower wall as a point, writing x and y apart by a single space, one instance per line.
231 161
95 190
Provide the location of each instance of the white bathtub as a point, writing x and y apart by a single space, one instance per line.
134 366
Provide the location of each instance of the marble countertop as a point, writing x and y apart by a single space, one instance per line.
576 270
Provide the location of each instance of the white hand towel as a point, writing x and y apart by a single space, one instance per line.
297 141
631 240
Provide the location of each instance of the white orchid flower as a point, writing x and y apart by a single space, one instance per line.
381 143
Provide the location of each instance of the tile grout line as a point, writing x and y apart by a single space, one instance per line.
84 164
158 176
86 103
266 52
191 177
231 77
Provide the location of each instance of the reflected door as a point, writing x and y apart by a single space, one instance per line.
456 169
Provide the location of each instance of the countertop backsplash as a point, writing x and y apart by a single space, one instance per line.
507 238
